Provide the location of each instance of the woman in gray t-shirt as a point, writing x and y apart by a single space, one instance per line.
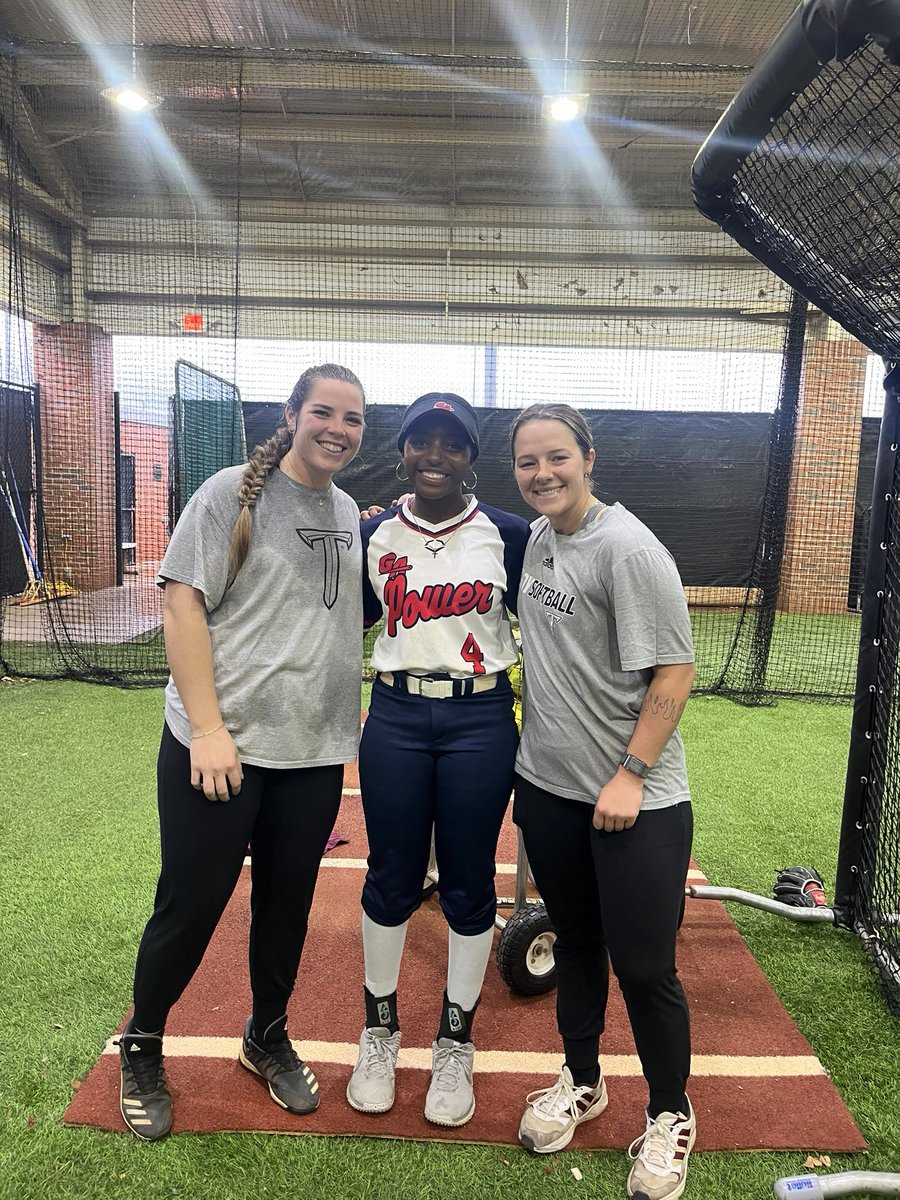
601 789
262 611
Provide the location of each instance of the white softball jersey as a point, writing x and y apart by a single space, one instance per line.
443 590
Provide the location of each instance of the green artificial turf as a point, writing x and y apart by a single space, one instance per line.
79 856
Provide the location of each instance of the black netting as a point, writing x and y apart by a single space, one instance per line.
818 199
821 194
876 898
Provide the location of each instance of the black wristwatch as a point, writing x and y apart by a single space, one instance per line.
635 765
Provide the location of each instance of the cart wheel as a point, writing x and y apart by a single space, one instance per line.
525 952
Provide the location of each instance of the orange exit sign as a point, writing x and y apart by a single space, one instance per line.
192 322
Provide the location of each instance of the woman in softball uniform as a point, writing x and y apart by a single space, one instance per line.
601 789
262 609
439 743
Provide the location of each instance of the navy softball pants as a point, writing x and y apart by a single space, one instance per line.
614 897
441 763
286 817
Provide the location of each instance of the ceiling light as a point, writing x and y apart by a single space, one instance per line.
566 106
133 97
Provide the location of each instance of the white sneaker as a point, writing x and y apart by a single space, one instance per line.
451 1099
554 1113
371 1086
661 1157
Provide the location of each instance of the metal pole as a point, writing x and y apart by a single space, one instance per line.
117 469
770 552
40 533
490 376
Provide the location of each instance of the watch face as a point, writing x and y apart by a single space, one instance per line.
635 765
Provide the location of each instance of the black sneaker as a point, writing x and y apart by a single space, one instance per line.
291 1082
144 1099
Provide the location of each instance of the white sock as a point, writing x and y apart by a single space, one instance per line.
383 951
467 962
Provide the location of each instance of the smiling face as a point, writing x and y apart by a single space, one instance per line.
551 471
327 431
437 455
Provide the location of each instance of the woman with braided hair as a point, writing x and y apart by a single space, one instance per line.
262 614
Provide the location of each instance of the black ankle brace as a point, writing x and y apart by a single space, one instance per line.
381 1011
456 1022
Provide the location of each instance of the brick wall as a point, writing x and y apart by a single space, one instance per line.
816 570
74 367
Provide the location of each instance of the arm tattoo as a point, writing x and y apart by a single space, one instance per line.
663 706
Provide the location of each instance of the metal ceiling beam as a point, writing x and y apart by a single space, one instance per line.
620 312
364 214
172 77
56 260
38 200
387 131
739 260
32 139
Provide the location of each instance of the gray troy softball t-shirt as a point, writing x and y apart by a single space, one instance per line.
287 635
598 609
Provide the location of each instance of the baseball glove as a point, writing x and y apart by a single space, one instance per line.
800 886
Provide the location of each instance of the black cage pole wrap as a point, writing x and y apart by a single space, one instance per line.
876 687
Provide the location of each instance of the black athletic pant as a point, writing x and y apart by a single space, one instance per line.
614 897
286 817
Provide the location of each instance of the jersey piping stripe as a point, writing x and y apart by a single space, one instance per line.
437 533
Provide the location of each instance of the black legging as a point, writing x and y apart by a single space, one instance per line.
614 897
285 816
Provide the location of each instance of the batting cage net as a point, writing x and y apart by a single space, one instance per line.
398 198
803 171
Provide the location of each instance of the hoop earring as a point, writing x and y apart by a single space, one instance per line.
401 478
474 484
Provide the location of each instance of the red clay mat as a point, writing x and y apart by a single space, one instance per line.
756 1082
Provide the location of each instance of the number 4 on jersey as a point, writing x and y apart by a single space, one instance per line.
471 653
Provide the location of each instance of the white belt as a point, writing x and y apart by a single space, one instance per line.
440 689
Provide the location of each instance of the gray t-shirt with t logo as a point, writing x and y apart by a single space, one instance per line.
287 635
598 609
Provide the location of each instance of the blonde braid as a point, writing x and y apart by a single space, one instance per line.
253 480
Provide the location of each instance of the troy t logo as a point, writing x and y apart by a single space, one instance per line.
330 540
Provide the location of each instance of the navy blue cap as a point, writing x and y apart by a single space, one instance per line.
447 404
